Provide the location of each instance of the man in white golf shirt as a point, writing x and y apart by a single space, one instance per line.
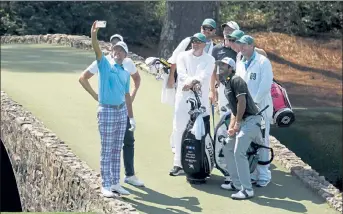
256 71
128 148
193 66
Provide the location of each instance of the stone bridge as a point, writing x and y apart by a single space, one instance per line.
52 175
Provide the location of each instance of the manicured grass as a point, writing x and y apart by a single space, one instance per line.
51 91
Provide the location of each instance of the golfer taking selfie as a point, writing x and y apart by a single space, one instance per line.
115 106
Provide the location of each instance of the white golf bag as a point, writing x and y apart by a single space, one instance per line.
220 139
161 69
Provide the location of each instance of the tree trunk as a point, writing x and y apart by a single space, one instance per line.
184 19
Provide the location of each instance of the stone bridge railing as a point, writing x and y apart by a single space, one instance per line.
50 177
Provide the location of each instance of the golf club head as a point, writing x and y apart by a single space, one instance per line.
193 103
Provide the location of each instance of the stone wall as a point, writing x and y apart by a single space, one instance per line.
283 155
81 42
48 175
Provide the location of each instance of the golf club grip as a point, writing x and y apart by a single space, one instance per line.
197 97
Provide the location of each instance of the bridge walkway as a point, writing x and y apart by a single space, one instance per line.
44 79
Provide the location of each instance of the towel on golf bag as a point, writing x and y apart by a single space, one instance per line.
197 156
168 94
198 129
283 115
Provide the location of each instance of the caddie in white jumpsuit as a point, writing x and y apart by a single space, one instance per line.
208 28
192 65
256 70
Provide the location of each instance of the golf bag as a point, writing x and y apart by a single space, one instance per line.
283 115
197 156
161 69
220 140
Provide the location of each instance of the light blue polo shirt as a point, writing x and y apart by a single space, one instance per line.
114 82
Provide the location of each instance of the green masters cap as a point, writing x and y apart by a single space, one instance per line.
199 36
237 34
246 39
209 22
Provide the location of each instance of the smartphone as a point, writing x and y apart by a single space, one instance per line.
100 24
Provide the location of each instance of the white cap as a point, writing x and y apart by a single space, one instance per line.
123 45
117 36
231 24
228 61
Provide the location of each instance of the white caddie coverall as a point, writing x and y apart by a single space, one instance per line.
222 101
169 93
259 78
189 68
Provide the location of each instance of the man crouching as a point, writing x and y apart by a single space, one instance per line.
243 129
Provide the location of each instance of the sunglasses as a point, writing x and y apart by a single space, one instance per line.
207 28
197 41
232 40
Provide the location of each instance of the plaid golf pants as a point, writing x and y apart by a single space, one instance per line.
112 125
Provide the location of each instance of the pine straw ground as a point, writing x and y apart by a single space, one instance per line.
310 69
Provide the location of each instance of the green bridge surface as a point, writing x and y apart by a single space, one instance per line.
44 79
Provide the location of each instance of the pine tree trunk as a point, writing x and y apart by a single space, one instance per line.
184 19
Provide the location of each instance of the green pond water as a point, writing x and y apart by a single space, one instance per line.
316 137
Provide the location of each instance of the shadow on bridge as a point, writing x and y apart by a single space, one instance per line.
270 196
10 200
152 196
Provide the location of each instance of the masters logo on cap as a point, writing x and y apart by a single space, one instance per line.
201 37
246 39
209 22
236 34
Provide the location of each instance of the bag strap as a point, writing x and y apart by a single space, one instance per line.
258 146
212 107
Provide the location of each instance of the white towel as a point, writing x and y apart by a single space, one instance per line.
168 94
199 127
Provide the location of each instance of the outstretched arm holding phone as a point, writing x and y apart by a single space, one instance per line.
95 43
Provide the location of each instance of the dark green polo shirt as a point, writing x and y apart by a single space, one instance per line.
235 87
220 51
